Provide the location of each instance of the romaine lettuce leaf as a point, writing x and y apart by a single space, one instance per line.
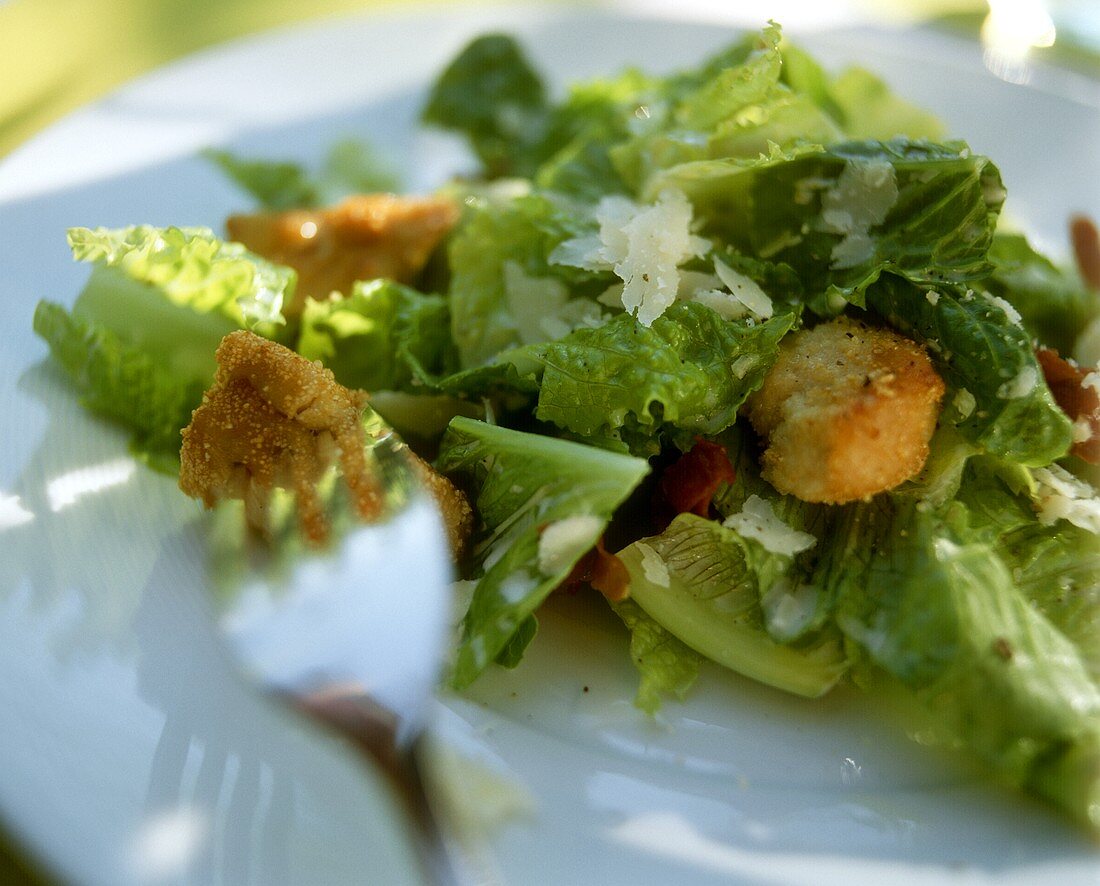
491 94
1054 304
190 268
1058 569
666 666
140 340
691 370
351 166
862 105
543 504
794 597
1055 566
702 583
583 130
842 215
124 383
383 336
742 110
939 612
869 110
274 184
978 348
500 249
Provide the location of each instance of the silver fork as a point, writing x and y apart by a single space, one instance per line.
353 635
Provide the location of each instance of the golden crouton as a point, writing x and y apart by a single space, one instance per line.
847 412
364 237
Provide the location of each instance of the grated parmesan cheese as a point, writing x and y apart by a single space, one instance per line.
964 403
1021 385
530 299
1082 430
725 304
1010 312
542 308
653 566
758 521
562 543
862 197
746 290
1059 495
643 245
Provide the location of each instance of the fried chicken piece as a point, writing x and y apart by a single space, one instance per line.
275 419
364 237
847 411
458 516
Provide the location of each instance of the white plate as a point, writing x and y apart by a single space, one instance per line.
131 753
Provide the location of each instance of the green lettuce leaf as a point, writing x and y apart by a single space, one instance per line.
795 599
140 340
978 348
1056 566
501 281
842 215
576 154
702 583
742 110
666 666
939 612
351 167
126 384
383 336
543 504
691 370
1054 304
869 110
190 268
274 184
492 95
862 105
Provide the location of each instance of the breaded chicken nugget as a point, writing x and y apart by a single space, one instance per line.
275 419
847 412
364 237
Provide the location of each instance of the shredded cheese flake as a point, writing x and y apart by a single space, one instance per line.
746 290
1019 386
758 521
862 197
1010 312
1059 495
643 245
965 403
654 568
562 543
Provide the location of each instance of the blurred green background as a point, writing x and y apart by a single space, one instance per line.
56 55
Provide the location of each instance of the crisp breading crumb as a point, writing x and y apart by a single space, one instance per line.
364 237
275 419
458 516
847 412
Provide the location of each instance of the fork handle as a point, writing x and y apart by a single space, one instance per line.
372 729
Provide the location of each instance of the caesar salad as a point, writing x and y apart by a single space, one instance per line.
746 349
